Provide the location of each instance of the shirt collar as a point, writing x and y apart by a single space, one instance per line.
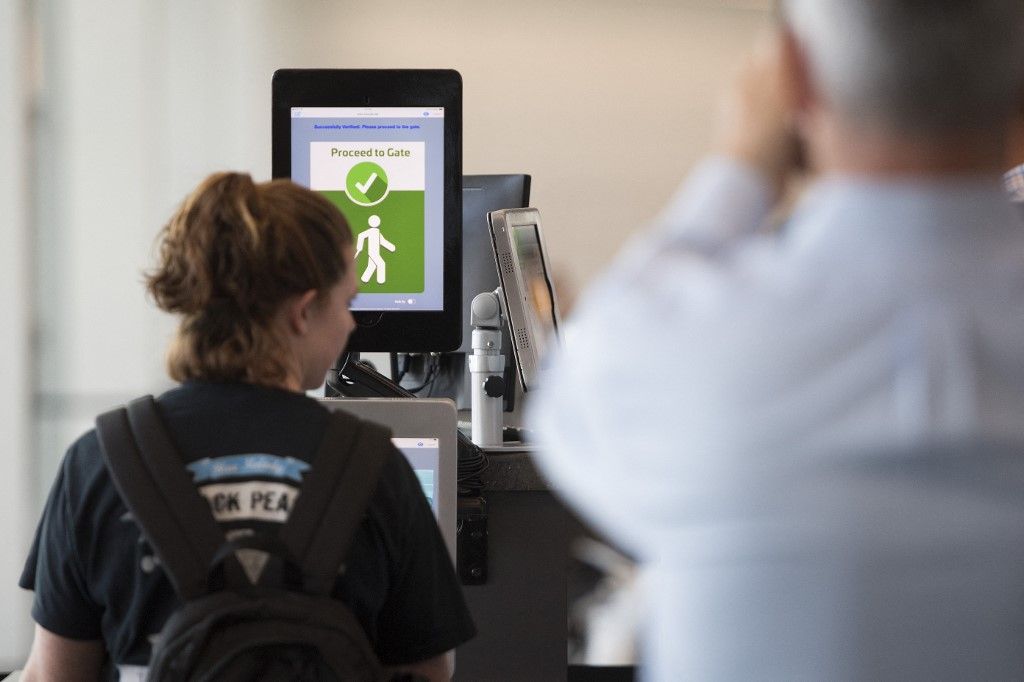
902 209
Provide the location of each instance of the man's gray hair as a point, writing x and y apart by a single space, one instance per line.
915 65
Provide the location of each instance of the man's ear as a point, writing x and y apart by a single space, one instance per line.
299 310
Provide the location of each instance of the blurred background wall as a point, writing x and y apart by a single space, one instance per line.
112 111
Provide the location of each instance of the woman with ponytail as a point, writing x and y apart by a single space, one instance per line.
261 277
244 265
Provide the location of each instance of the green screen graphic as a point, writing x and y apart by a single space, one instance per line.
388 232
379 186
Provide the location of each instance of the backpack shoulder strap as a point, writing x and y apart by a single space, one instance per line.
151 477
333 501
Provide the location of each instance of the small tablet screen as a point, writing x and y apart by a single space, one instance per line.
424 455
539 299
383 167
527 290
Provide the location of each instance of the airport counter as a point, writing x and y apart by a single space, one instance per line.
521 610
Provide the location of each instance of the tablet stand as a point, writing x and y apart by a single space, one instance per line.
352 378
486 367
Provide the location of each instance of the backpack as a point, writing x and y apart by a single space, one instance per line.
254 607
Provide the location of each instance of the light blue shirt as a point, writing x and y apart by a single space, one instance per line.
714 370
1013 180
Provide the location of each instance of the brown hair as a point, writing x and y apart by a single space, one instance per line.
230 255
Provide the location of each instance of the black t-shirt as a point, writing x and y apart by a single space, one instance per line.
248 449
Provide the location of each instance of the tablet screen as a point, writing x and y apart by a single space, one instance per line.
385 146
423 455
383 167
526 288
539 300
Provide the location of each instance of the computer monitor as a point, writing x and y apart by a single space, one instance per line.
385 147
527 289
481 194
424 430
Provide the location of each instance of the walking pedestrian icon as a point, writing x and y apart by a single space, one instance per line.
373 240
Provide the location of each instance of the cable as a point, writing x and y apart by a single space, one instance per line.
431 375
472 464
395 372
335 384
435 359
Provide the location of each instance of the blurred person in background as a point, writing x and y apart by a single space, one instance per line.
734 398
1014 178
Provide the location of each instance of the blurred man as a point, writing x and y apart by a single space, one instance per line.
714 416
1014 178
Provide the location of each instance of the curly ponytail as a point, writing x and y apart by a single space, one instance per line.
228 258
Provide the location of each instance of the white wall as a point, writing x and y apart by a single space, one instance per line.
606 104
19 508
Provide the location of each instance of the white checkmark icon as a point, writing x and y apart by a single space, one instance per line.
363 186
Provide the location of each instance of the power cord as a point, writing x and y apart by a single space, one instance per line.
433 369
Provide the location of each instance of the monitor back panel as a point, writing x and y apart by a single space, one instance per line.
482 194
424 430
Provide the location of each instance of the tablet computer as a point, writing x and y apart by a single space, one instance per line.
527 289
424 430
385 146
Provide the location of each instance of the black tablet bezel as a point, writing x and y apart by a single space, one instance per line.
389 331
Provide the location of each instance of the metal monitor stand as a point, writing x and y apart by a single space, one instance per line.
487 368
